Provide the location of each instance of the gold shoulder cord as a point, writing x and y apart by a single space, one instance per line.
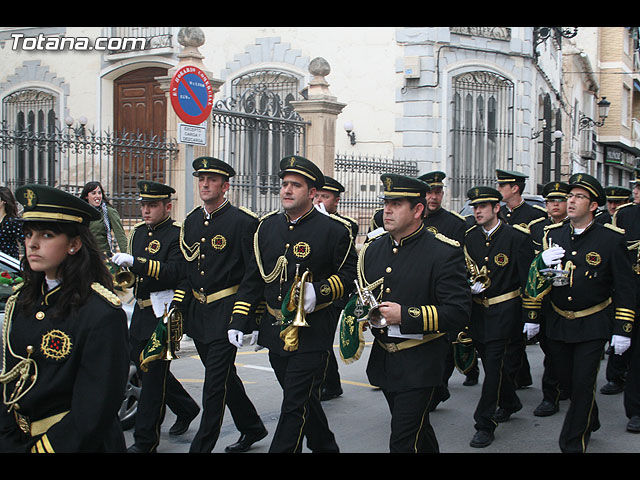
22 369
131 234
362 281
189 252
280 268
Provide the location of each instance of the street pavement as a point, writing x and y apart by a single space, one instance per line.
360 417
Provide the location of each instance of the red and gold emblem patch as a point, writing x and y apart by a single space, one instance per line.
501 259
55 345
218 242
301 250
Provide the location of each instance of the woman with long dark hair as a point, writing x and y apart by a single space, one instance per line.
66 362
107 229
10 224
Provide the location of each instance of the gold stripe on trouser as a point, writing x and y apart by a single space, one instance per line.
216 295
582 313
487 302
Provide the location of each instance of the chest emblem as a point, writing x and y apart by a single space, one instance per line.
218 242
55 345
153 247
501 259
301 250
593 258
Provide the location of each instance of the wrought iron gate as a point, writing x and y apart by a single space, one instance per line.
252 132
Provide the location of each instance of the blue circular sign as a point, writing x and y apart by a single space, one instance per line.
191 95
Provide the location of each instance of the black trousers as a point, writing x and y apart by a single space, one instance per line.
332 380
411 431
577 365
632 382
301 376
551 388
159 389
501 360
222 387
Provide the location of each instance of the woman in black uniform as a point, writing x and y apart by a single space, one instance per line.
65 351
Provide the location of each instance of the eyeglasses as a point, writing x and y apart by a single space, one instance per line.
579 196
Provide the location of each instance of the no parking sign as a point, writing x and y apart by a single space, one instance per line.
191 95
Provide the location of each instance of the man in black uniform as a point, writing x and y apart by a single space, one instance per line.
422 297
555 195
327 198
452 225
220 286
502 253
298 240
516 211
595 304
627 217
155 259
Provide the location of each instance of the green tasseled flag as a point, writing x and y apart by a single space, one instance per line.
156 346
538 284
288 332
351 333
464 354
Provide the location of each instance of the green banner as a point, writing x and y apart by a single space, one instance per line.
156 347
351 332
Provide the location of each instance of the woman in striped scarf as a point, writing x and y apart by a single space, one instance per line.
108 230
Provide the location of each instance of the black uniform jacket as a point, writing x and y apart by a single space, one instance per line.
536 232
448 223
158 265
601 271
82 367
627 217
320 243
522 214
425 274
221 270
507 255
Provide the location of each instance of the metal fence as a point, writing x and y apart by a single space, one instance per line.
360 176
69 158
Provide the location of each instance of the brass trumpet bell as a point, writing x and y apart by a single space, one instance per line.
300 318
124 278
173 320
374 317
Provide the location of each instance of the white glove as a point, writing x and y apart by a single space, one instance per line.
320 207
552 256
531 329
309 297
620 344
477 288
254 337
235 337
122 259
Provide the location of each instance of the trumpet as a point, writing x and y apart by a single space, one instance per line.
124 278
300 319
374 317
173 320
477 274
559 276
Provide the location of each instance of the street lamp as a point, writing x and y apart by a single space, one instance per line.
603 111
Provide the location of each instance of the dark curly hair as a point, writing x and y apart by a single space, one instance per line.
77 272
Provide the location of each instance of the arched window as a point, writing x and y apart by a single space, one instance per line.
30 116
481 130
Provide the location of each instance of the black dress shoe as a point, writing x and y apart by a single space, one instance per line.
503 415
545 409
328 394
181 425
245 441
482 439
634 424
136 449
611 388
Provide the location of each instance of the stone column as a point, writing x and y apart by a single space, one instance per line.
320 109
181 174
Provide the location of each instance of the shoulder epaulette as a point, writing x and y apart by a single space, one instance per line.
269 214
192 210
340 219
132 232
628 204
248 212
541 209
461 217
177 224
535 221
521 228
445 239
471 228
349 218
553 225
614 228
107 294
